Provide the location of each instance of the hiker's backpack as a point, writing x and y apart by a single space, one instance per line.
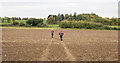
51 31
61 33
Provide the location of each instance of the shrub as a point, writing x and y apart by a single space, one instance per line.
39 24
28 25
107 28
58 22
22 24
81 24
34 21
5 24
115 28
15 23
44 25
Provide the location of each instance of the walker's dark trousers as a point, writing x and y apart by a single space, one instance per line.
52 35
61 37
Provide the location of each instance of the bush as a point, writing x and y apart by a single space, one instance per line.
107 28
44 25
116 28
22 24
34 21
28 25
58 22
63 24
41 25
15 23
5 24
81 24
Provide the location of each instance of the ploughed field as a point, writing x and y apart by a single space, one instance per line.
77 45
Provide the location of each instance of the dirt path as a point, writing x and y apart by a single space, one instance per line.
45 54
70 57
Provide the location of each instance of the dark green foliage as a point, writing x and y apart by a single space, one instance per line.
19 18
81 24
41 25
27 25
66 16
52 19
8 19
13 18
5 24
107 28
34 21
15 23
22 24
44 25
25 18
2 19
62 16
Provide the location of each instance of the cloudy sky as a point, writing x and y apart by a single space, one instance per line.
42 8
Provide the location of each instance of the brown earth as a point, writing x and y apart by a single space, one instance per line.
77 45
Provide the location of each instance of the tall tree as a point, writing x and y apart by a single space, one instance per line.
74 16
19 18
62 16
66 16
8 19
59 17
2 19
13 18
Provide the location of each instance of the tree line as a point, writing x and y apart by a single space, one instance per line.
8 19
88 21
56 19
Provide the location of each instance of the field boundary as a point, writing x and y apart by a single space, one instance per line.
51 28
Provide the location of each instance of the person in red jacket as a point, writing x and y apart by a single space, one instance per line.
52 32
61 35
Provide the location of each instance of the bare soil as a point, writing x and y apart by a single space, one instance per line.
77 45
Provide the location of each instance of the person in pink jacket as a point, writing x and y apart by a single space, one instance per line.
52 32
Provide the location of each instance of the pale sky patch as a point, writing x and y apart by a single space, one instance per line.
42 8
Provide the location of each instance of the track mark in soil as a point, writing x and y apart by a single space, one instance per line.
44 56
70 57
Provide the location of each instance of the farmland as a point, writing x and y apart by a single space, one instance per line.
77 45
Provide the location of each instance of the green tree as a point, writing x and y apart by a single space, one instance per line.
59 17
19 18
2 19
13 18
34 21
8 19
75 16
79 17
66 16
62 16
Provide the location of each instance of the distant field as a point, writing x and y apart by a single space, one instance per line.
5 23
54 25
115 26
118 27
24 21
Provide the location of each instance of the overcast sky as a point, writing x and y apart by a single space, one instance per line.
42 8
